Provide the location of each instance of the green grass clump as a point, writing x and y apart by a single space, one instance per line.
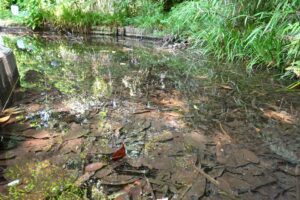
148 15
262 34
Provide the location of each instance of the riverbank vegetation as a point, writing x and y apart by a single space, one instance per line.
260 33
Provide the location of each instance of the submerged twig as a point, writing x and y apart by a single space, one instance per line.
141 112
208 177
214 181
223 131
103 182
185 191
151 189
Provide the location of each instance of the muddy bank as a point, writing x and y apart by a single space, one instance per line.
192 128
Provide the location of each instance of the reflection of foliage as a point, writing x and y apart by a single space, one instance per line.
100 88
86 70
36 12
65 76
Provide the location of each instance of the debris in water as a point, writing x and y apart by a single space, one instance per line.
14 183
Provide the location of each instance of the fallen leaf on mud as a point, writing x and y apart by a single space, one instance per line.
226 87
184 176
288 169
76 131
132 191
37 134
115 179
160 163
33 107
42 135
248 156
197 190
12 120
233 156
258 181
37 145
120 196
281 191
225 186
72 146
135 162
196 140
251 169
120 153
108 169
4 119
104 172
13 111
101 149
86 176
280 116
94 167
217 172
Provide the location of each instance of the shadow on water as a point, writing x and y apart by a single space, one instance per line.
173 110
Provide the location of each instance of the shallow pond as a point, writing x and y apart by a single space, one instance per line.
174 111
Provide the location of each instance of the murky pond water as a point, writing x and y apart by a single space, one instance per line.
175 111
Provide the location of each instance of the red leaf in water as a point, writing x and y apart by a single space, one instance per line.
120 153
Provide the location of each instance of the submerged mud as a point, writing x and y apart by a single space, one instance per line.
192 128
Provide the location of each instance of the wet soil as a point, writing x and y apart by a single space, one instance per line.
192 128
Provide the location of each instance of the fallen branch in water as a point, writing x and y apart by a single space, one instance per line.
185 191
215 182
150 187
208 177
141 112
132 180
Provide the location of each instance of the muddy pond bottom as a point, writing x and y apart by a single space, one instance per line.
192 128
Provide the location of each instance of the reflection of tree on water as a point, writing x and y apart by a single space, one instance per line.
134 82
